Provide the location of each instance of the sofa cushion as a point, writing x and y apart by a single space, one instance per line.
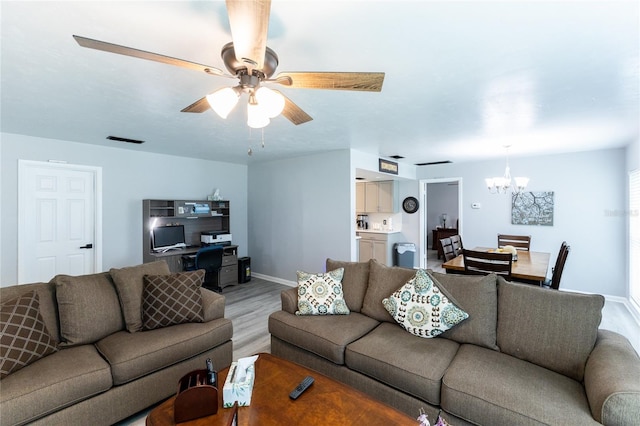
478 295
88 306
172 299
325 336
354 281
59 380
129 283
133 355
422 308
321 294
489 387
553 329
383 280
24 338
401 360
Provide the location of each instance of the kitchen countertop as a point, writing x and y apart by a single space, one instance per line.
377 232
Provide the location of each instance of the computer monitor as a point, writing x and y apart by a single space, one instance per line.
166 237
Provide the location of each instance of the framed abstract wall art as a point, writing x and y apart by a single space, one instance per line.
532 208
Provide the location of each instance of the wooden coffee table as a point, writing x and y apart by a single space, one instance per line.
325 402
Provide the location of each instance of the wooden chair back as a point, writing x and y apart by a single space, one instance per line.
457 244
520 242
560 261
447 248
484 263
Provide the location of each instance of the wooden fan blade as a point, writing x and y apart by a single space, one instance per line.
136 53
201 105
249 22
293 112
360 81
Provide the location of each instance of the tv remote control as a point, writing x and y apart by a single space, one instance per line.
303 386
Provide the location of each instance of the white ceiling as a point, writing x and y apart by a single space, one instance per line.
462 79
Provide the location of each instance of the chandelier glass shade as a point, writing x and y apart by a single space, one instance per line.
501 184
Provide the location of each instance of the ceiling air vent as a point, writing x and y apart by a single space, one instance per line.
433 163
396 157
119 139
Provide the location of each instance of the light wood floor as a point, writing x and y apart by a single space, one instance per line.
249 306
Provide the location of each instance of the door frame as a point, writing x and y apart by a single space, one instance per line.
423 213
23 167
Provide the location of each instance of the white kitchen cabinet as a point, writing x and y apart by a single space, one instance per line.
378 246
360 196
377 197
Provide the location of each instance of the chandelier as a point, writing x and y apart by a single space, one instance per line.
264 103
501 184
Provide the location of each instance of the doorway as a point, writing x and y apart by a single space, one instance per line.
442 201
59 220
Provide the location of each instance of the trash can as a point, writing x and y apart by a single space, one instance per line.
403 254
244 270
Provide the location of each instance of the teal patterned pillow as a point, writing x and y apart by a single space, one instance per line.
321 294
421 307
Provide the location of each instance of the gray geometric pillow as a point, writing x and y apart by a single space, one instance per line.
23 336
172 299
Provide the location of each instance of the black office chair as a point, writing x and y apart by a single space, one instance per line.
210 259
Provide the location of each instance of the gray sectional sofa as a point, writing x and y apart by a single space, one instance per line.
524 356
109 361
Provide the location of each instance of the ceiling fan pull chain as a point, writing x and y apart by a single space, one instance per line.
262 137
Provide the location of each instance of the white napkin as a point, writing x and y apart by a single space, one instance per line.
241 369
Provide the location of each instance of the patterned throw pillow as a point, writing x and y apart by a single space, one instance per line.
24 338
321 294
422 308
172 299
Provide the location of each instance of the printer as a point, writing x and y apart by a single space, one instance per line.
213 237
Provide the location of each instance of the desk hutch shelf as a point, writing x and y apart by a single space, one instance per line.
197 216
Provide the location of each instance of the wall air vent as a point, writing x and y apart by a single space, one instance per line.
433 163
119 139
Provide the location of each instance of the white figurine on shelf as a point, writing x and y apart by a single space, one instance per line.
216 195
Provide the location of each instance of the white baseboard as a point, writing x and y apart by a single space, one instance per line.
275 280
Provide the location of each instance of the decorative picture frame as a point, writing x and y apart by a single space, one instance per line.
532 208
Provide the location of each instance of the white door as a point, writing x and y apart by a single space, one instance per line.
58 217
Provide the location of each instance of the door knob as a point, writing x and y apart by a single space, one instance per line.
88 246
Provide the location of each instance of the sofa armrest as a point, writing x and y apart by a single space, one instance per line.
612 380
289 300
212 304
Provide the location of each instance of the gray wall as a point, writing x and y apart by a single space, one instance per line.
300 213
128 177
587 185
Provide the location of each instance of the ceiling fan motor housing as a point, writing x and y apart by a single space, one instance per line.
236 67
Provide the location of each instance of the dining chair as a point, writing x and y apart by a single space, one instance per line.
210 259
556 271
447 248
484 263
520 242
457 244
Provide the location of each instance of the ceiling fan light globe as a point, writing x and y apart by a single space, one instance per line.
223 101
256 117
270 101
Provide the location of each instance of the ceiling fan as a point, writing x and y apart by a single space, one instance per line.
248 59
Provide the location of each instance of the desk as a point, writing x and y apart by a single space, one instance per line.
530 266
228 272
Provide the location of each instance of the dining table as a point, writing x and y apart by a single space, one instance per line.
530 267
